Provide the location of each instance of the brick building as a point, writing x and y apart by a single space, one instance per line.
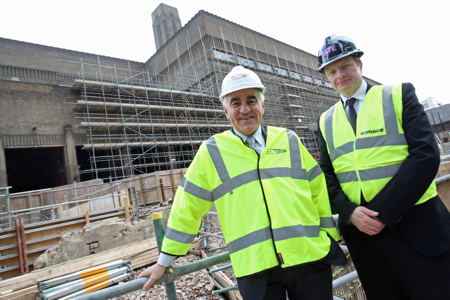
67 116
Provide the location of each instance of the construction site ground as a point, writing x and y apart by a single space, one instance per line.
197 285
143 251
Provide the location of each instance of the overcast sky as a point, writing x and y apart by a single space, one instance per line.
403 40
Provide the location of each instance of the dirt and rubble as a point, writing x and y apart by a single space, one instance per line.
94 238
197 285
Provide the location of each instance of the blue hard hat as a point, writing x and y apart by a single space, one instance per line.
336 47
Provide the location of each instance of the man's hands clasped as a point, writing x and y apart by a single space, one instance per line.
366 220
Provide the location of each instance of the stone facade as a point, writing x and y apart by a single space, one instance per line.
115 118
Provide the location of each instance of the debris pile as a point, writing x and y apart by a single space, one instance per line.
201 284
197 285
94 238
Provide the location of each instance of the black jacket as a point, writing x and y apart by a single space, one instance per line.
395 202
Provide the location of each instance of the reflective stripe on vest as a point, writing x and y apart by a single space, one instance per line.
266 205
279 234
369 174
179 236
229 184
391 138
359 169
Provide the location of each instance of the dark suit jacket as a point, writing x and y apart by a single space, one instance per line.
427 226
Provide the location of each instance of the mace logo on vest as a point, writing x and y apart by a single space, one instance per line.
372 131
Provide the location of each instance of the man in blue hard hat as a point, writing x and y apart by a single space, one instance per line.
380 158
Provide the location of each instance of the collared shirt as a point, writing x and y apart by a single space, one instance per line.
358 95
257 135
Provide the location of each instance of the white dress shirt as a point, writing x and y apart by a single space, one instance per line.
358 95
259 138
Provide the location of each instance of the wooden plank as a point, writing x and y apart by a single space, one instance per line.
28 293
75 265
163 192
224 281
32 227
443 190
144 258
172 184
61 229
22 249
152 192
41 235
141 193
31 245
8 236
62 193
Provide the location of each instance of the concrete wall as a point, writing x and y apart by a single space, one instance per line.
34 56
185 55
35 109
176 46
240 35
166 22
36 115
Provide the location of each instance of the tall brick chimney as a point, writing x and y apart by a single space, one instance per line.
166 22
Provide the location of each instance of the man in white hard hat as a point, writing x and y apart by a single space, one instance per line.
271 200
380 158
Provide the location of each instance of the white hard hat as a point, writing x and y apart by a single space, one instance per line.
240 78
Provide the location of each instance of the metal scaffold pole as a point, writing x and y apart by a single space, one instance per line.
168 279
158 224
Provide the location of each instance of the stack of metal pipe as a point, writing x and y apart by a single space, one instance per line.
85 281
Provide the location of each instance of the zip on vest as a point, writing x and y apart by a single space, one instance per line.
278 255
295 171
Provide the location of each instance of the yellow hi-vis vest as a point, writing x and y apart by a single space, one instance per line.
366 162
273 207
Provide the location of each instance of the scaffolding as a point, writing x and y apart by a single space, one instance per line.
155 118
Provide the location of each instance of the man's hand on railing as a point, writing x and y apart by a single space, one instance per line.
154 273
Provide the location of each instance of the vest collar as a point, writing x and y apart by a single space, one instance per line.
260 135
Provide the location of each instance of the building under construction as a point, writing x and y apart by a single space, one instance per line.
68 116
132 127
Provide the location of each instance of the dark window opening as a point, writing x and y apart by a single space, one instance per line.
35 168
83 164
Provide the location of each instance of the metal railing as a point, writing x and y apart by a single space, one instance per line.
6 204
53 211
173 273
168 279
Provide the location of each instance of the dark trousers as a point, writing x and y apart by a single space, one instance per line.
307 282
390 268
